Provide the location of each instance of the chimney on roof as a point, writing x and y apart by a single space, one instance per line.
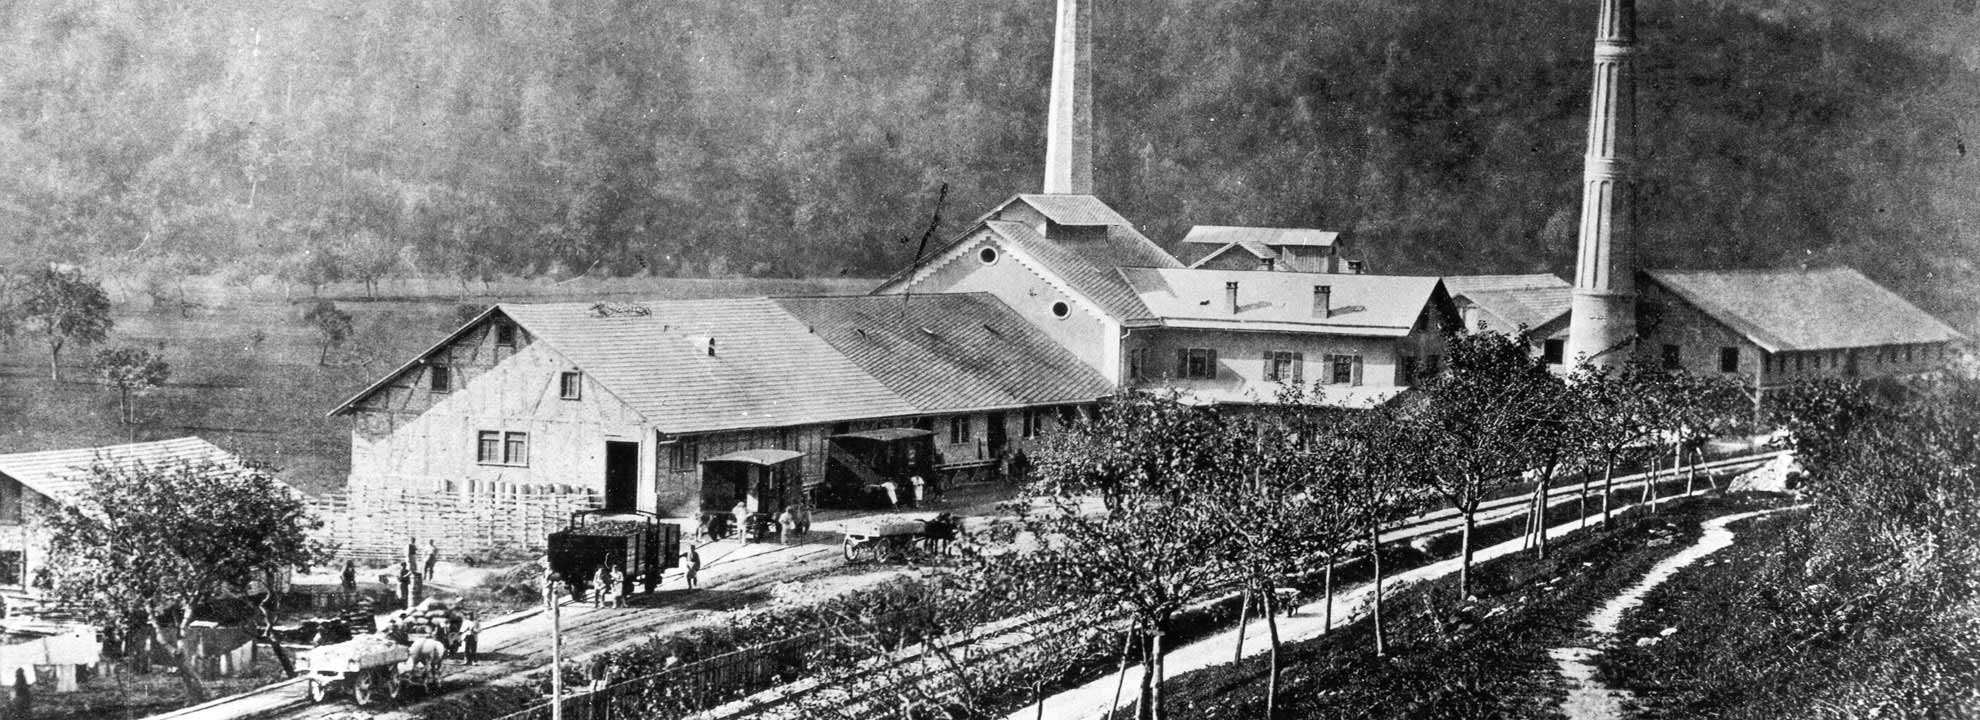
1323 301
707 344
1230 296
1069 112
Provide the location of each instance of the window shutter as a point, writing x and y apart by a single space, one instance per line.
1299 370
1182 362
1213 364
1356 378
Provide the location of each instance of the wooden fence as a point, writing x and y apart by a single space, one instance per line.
374 523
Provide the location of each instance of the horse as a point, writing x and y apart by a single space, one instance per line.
423 668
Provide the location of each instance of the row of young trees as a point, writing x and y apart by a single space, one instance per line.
1152 504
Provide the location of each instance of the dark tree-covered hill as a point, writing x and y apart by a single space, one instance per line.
799 137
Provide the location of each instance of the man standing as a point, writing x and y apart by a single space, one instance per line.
693 562
470 636
741 511
786 524
916 480
893 492
349 583
432 557
405 584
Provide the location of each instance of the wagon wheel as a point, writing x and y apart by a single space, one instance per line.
318 691
361 688
851 549
394 687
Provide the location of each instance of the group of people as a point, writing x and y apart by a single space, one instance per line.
608 586
793 522
919 485
410 584
466 628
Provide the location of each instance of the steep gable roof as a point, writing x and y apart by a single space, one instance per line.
1382 305
62 474
1778 310
1086 263
950 352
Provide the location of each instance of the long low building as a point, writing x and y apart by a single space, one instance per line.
686 408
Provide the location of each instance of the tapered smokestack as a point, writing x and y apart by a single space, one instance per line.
1602 328
1069 117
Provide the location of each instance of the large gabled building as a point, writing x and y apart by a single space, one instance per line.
1772 327
534 410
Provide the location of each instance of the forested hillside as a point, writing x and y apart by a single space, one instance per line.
795 137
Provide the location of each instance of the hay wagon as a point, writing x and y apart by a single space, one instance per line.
899 537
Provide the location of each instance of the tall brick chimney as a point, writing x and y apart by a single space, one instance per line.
1069 117
1602 327
1323 301
1230 297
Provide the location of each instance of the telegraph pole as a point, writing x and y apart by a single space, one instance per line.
556 650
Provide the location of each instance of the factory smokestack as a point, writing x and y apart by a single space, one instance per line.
1069 115
1602 327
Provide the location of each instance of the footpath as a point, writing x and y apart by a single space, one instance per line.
1587 698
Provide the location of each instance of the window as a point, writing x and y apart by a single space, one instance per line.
440 378
1432 365
488 448
687 454
1137 363
1196 363
959 430
1405 370
501 448
570 385
1268 264
1553 352
505 335
1068 414
987 255
1673 358
10 568
1907 353
10 502
1343 369
1798 362
515 449
1729 359
1061 309
1285 366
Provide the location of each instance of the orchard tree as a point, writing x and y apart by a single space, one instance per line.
1614 410
1481 425
151 546
1382 471
133 371
333 326
63 307
1115 523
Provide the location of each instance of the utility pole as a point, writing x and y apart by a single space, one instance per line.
556 652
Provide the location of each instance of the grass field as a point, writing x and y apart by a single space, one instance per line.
244 366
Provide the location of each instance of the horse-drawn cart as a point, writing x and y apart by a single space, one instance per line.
892 537
370 665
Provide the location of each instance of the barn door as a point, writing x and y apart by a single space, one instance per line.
621 475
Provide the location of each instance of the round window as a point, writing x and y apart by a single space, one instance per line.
1061 309
987 255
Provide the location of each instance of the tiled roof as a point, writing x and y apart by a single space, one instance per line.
798 361
767 369
944 353
1075 210
1464 285
1362 304
1262 236
61 474
1531 307
1089 267
1805 309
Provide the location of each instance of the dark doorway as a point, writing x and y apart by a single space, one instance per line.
621 475
995 436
